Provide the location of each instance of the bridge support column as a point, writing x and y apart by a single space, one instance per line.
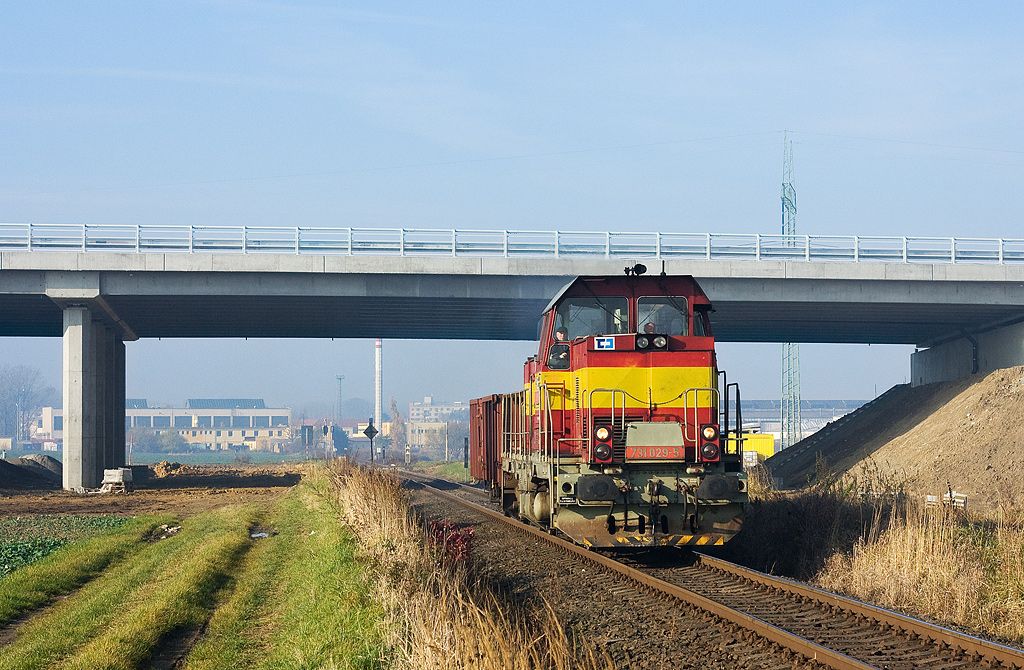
93 390
118 460
973 354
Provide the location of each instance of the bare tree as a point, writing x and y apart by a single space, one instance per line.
22 393
446 440
398 438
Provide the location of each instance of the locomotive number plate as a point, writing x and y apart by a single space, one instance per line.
655 453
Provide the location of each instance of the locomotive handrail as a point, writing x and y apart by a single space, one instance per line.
588 444
739 439
696 390
356 241
514 422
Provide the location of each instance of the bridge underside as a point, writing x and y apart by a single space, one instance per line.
965 315
486 308
495 318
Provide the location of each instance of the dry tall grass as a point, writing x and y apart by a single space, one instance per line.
865 536
441 615
794 535
953 568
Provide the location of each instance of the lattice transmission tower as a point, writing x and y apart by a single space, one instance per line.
791 427
337 415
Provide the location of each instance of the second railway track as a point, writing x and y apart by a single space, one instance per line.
825 627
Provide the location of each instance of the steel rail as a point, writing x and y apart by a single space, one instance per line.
806 648
990 651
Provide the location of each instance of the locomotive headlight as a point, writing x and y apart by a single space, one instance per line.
709 451
602 434
642 342
660 342
602 452
709 432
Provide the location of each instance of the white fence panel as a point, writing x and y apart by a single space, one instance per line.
509 243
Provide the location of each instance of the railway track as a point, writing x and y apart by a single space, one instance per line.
825 627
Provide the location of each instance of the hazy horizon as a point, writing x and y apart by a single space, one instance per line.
159 370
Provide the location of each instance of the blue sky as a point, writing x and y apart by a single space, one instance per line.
906 120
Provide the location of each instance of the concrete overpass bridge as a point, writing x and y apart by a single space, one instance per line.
962 299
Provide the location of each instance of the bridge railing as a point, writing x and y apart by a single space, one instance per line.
504 243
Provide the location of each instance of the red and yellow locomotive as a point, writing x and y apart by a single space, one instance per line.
622 434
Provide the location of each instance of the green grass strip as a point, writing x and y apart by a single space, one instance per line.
68 568
324 617
179 599
301 599
57 633
233 637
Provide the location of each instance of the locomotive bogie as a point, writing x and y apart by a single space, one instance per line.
635 505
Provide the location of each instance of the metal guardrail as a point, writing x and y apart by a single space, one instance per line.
504 243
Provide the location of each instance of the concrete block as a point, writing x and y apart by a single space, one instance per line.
40 260
762 269
67 285
965 272
110 262
835 270
154 262
23 282
297 263
188 262
907 271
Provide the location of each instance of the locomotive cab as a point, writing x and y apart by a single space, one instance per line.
625 432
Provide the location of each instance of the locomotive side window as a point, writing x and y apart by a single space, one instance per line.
558 356
701 323
583 317
662 314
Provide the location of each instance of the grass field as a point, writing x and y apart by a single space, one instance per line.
452 471
334 572
125 593
25 539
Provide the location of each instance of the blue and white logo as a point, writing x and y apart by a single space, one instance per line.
604 343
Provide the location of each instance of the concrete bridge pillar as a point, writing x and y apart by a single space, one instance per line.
93 390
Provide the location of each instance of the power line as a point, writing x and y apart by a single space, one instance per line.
416 166
528 156
921 143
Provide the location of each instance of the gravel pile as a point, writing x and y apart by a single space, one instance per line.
16 475
46 467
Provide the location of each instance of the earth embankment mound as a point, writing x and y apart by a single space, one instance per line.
45 467
967 434
16 475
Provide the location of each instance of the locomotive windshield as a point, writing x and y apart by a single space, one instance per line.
663 314
583 317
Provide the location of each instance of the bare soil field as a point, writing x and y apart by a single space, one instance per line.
183 490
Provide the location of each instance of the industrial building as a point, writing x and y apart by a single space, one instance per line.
209 423
429 411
